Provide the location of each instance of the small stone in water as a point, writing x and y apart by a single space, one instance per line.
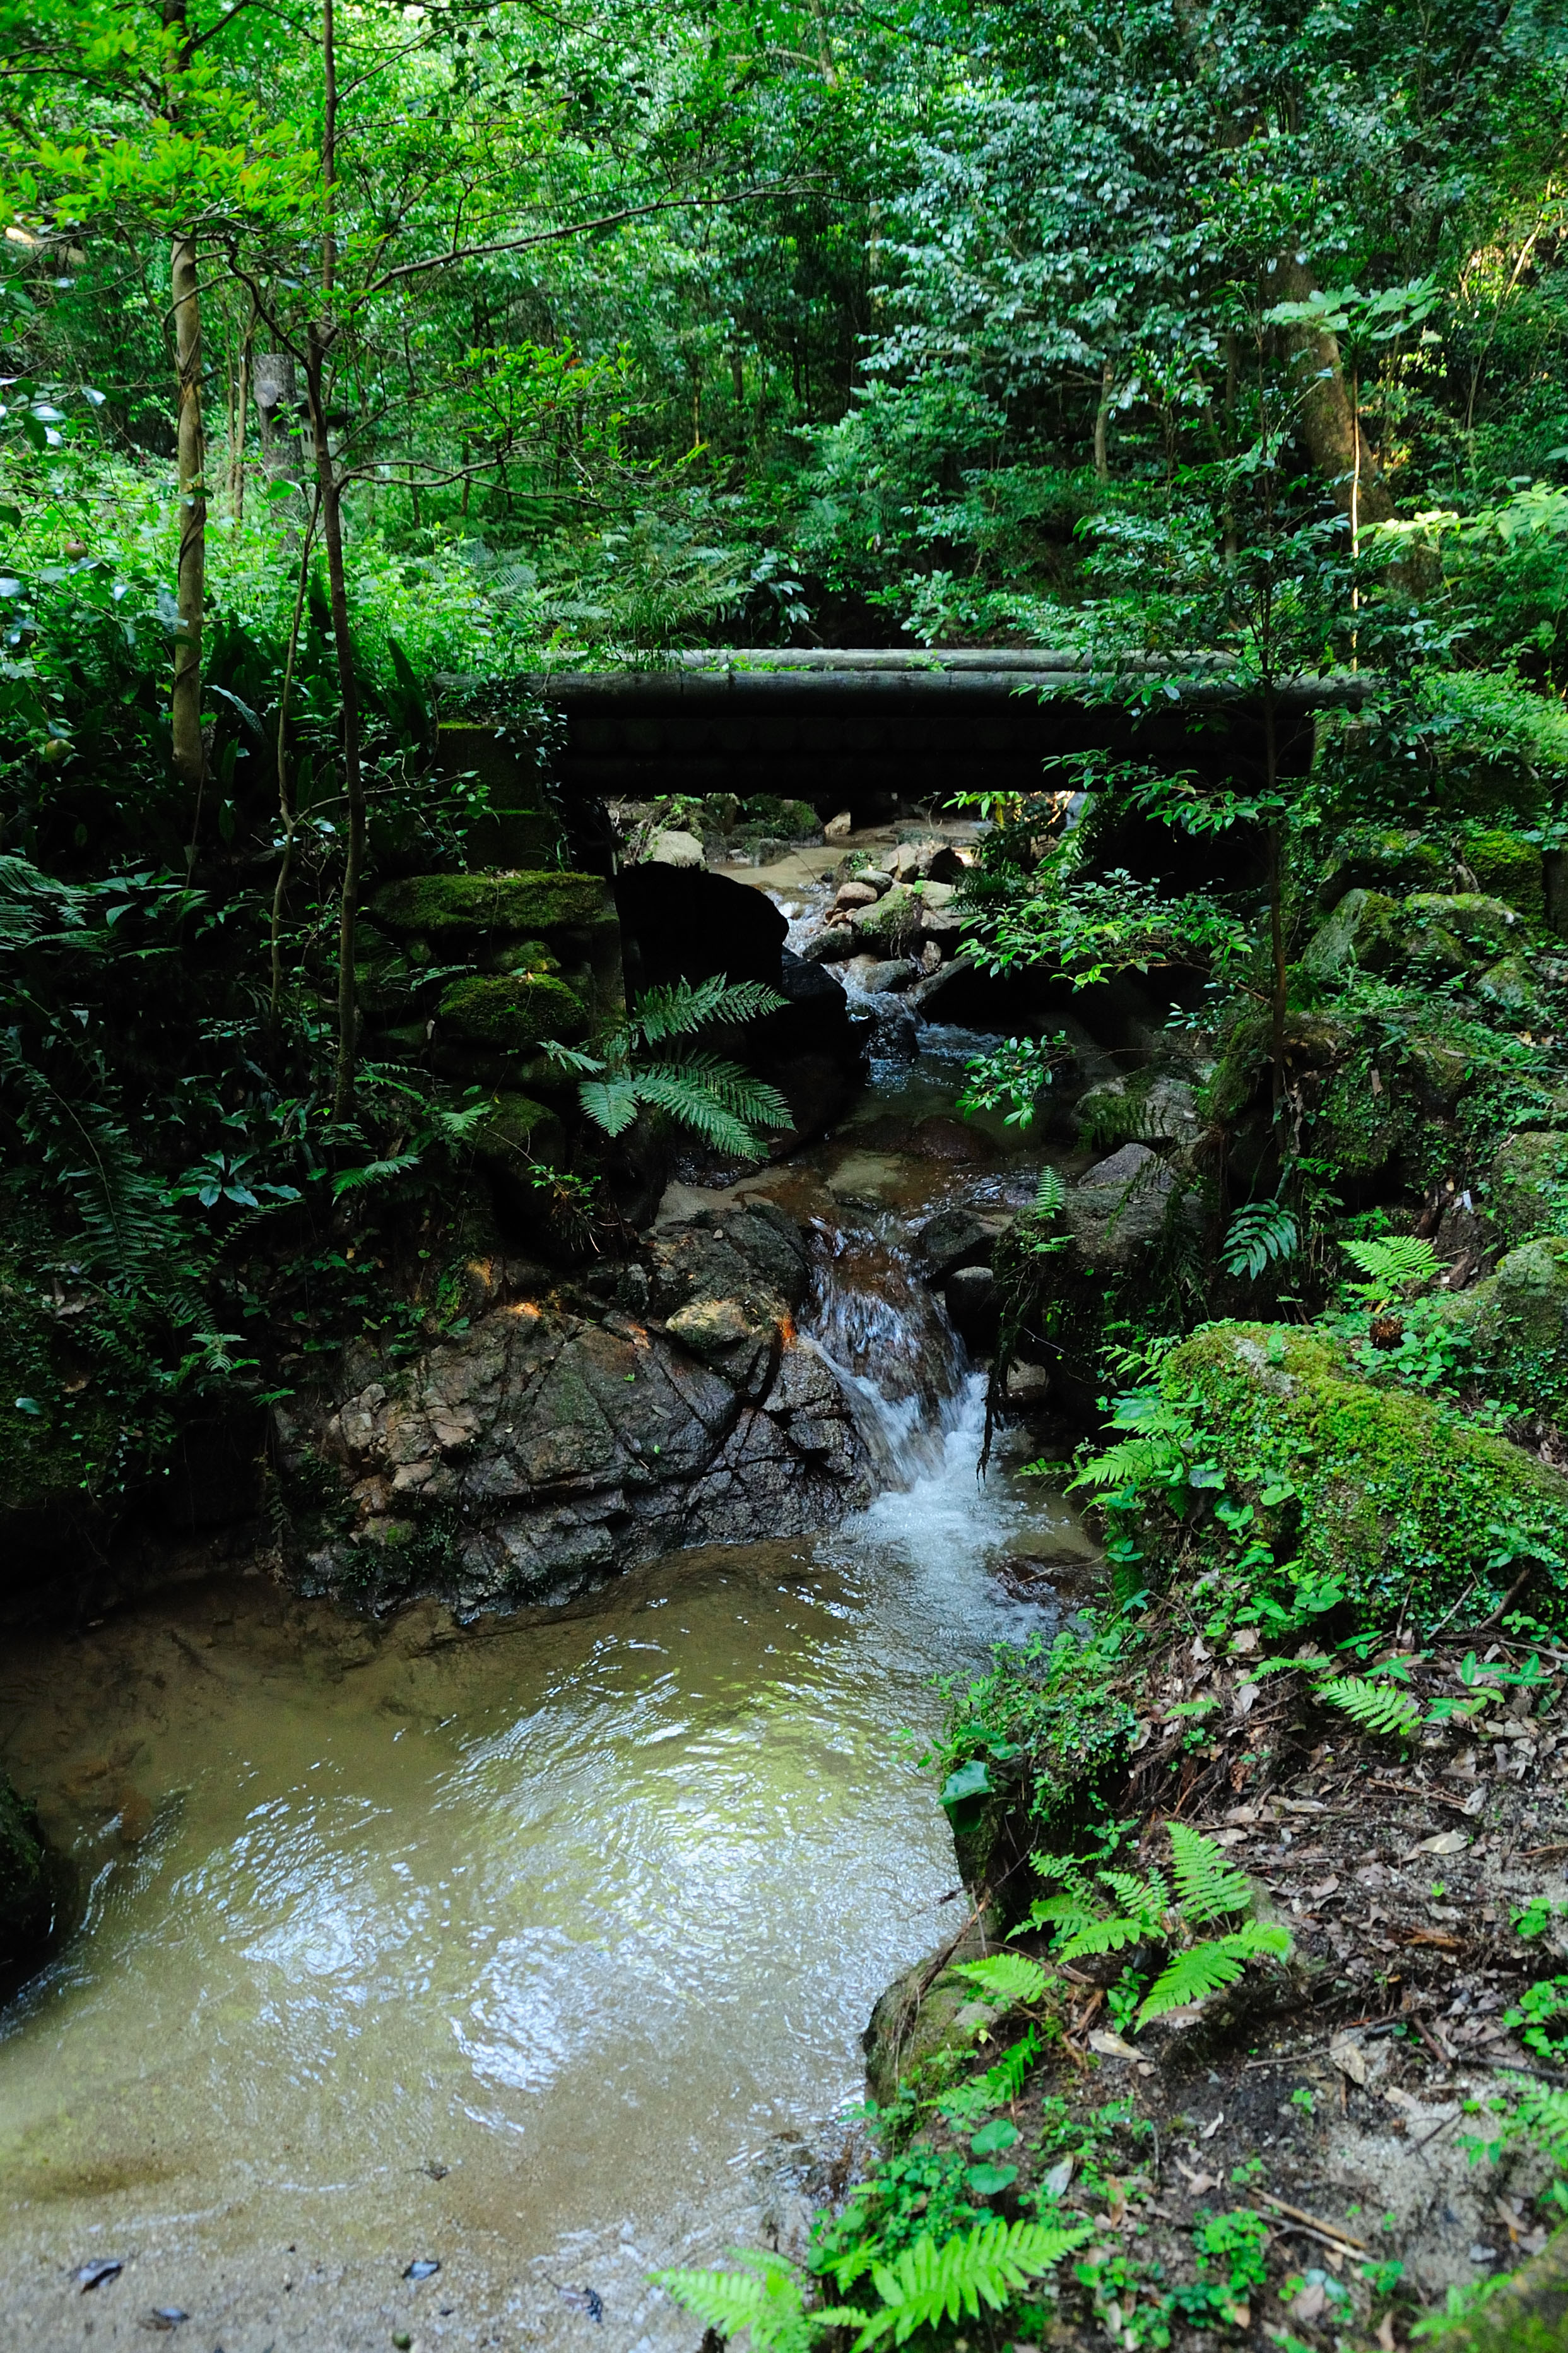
93 2274
422 2269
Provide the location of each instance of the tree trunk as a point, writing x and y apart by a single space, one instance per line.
329 491
1329 425
185 701
1102 427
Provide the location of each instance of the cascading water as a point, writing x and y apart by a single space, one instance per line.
542 1949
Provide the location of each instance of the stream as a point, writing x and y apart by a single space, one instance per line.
538 1949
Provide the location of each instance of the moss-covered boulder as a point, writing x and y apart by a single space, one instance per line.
1512 991
1363 931
516 1137
1382 860
1397 1500
1456 931
1508 867
511 1013
1516 1326
1527 1187
453 907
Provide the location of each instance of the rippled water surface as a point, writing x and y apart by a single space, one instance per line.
544 1951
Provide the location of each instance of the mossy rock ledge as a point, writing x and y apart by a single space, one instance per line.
448 907
1398 1498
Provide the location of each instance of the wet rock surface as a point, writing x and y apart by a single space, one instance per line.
558 1441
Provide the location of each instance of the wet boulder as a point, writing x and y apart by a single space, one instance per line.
1124 1203
1508 867
559 1439
953 1239
1364 932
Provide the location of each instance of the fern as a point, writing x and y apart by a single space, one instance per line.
1112 1934
1376 1707
1011 1976
1391 1263
767 2299
1208 1884
1259 1234
1202 1969
926 2282
718 1101
1050 1194
685 1007
1007 2078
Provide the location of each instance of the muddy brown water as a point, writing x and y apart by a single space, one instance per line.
541 1950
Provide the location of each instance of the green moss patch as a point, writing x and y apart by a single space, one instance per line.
451 906
511 1013
1396 1499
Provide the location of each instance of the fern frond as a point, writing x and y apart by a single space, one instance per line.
744 1095
1011 1976
1050 1194
375 1172
610 1104
766 2299
1006 2079
718 1101
685 1007
1141 1899
1202 1970
1102 1937
1065 1868
1261 1232
1381 1708
570 1058
1394 1260
1208 1884
1068 1912
926 2282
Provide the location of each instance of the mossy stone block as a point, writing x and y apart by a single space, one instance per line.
1399 1499
1508 867
511 1013
449 907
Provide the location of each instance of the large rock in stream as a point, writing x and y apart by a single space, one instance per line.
558 1441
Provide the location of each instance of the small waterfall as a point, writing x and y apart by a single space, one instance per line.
887 1336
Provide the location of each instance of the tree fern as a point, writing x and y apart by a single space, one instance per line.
1193 1975
1261 1232
1011 1976
1208 1884
926 2284
1381 1708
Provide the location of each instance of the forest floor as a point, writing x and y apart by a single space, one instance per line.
1346 2100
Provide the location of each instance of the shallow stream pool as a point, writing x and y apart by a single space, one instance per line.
540 1950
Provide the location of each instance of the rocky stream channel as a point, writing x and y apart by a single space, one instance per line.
442 1973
